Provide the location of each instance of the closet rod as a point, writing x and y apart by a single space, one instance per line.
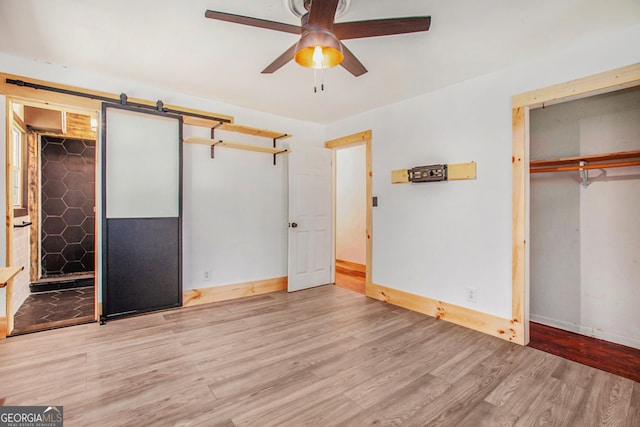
586 167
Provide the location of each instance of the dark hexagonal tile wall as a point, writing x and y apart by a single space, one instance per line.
54 207
68 198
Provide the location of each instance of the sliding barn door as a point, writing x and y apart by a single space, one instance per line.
142 193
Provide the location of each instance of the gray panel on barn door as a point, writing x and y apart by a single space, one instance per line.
142 222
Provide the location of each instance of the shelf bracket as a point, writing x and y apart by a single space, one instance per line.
213 136
274 146
213 146
213 130
584 174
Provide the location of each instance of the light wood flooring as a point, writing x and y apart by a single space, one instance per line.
614 358
320 357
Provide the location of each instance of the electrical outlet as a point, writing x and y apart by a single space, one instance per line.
206 275
472 294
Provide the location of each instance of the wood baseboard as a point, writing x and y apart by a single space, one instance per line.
360 268
3 328
507 329
193 297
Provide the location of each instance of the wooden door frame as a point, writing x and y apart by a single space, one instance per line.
608 81
349 141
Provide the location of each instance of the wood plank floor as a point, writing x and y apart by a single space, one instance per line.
320 357
610 357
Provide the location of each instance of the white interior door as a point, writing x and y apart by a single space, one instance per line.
309 218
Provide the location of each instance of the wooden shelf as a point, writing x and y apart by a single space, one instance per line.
8 273
230 127
235 145
246 130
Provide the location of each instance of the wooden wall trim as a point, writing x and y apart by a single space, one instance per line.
352 140
344 141
360 268
33 195
506 329
520 176
592 85
3 328
8 324
193 297
76 101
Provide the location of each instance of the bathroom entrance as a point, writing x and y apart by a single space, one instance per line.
54 228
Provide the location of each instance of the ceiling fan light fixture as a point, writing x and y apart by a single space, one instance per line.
319 49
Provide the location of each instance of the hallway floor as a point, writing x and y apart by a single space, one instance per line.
350 279
49 310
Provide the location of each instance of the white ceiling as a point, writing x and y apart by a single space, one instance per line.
169 43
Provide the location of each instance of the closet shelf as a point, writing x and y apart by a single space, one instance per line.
586 162
235 145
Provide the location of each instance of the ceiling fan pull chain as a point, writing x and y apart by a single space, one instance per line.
322 75
315 80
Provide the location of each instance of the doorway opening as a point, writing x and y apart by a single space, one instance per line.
53 230
352 209
350 218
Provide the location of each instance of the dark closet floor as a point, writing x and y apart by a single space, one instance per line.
54 309
607 356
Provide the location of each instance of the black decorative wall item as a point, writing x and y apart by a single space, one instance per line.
68 200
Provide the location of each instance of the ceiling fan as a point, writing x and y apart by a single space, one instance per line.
320 44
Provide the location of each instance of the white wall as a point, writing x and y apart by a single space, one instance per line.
235 214
463 228
351 202
235 206
585 242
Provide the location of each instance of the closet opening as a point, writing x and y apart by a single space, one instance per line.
584 231
606 264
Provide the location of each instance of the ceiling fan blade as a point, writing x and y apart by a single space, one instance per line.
281 60
351 63
253 22
323 12
381 27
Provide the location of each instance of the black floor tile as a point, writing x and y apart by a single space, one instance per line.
45 308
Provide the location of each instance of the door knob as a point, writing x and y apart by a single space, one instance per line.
293 225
